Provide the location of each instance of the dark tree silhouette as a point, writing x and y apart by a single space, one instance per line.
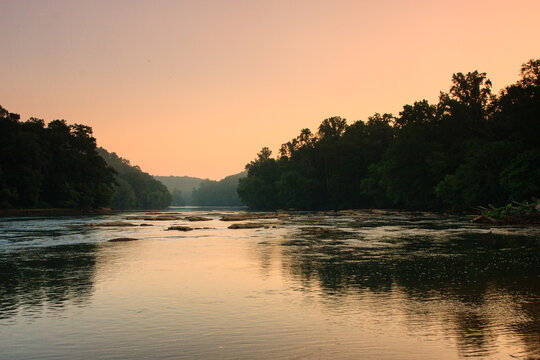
471 148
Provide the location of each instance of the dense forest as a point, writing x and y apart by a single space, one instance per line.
135 189
188 190
181 188
471 148
57 165
52 165
218 193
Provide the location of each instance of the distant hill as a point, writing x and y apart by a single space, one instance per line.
184 184
187 190
218 193
134 188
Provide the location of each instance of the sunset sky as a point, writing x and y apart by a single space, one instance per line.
198 87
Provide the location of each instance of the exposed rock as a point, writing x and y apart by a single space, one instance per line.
153 217
122 239
110 224
180 228
248 226
196 218
162 213
247 216
136 217
163 217
146 225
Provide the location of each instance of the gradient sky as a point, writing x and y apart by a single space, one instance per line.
198 87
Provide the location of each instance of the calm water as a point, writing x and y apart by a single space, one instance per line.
388 286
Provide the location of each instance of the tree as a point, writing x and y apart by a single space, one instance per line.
53 165
470 148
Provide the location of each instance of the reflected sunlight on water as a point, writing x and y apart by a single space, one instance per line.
393 286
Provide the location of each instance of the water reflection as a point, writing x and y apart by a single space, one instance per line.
388 283
480 288
48 278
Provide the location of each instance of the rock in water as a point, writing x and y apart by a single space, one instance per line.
153 217
248 216
111 224
124 239
197 218
180 228
247 226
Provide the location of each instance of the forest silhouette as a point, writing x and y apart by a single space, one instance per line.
471 148
59 166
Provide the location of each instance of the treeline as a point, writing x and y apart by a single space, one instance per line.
52 165
181 188
187 190
218 193
471 148
134 189
57 165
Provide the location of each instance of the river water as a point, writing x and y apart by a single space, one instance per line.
381 286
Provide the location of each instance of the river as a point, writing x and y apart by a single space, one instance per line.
382 285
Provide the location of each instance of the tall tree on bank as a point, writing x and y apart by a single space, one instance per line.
471 148
135 189
53 165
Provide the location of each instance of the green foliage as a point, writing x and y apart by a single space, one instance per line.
520 209
188 190
218 193
521 178
53 165
471 148
184 184
124 196
136 189
178 198
258 189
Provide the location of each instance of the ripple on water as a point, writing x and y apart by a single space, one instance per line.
374 286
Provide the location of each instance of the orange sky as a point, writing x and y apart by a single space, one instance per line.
198 87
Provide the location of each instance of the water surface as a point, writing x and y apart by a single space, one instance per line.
382 286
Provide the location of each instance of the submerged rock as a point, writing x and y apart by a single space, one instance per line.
110 224
316 230
180 228
122 239
197 218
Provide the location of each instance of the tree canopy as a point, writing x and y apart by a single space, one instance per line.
134 188
218 193
471 148
50 165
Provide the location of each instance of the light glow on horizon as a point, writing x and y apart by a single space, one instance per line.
198 87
